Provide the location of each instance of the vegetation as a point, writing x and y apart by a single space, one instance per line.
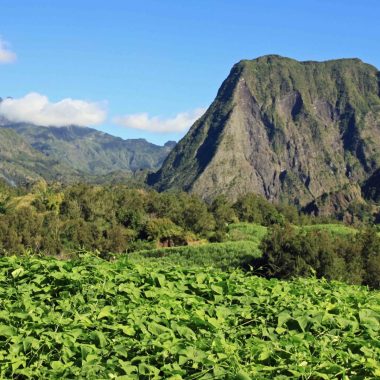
182 229
29 153
183 301
59 220
225 255
353 258
90 318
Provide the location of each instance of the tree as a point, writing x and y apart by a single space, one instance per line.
164 231
253 208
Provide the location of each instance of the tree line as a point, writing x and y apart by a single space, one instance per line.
56 219
62 220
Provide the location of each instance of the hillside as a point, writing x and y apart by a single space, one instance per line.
29 152
291 131
21 164
91 151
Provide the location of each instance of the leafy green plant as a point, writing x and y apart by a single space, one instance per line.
335 252
89 318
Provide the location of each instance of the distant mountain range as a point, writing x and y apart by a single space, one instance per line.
292 131
29 152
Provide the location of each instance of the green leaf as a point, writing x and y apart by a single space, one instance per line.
100 338
157 329
217 289
148 370
241 375
7 331
369 318
282 318
127 330
186 332
18 272
106 312
57 366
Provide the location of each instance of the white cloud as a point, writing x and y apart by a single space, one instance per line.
179 123
37 109
6 55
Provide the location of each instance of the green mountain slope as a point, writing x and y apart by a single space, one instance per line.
20 163
285 129
92 152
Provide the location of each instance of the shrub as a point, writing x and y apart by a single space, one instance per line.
253 208
291 252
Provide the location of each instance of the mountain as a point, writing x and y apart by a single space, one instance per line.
291 131
91 151
21 164
75 153
371 187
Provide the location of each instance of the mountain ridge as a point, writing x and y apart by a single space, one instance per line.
78 153
288 130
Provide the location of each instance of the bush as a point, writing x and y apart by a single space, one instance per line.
253 208
291 252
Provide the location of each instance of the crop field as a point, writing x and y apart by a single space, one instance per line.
246 231
95 319
231 254
337 229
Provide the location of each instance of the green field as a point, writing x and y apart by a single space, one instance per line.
246 231
338 229
96 319
231 254
183 313
242 246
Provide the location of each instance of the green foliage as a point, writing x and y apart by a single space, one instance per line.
352 257
332 228
94 319
225 255
369 242
246 231
117 219
223 212
59 220
253 208
164 231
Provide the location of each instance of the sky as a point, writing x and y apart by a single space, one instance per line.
148 69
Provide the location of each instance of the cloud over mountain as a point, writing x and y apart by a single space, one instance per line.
179 123
37 109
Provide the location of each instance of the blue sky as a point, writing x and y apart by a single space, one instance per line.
155 65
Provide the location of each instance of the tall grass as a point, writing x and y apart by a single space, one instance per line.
226 255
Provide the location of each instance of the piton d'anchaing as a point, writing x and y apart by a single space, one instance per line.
298 132
292 131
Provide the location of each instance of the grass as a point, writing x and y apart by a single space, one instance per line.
242 246
246 231
226 255
337 229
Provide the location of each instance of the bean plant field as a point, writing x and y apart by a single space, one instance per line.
96 319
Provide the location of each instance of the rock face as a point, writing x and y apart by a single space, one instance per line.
371 187
291 131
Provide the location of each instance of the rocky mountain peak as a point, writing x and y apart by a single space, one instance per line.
285 129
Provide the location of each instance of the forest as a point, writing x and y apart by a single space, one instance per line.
111 220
